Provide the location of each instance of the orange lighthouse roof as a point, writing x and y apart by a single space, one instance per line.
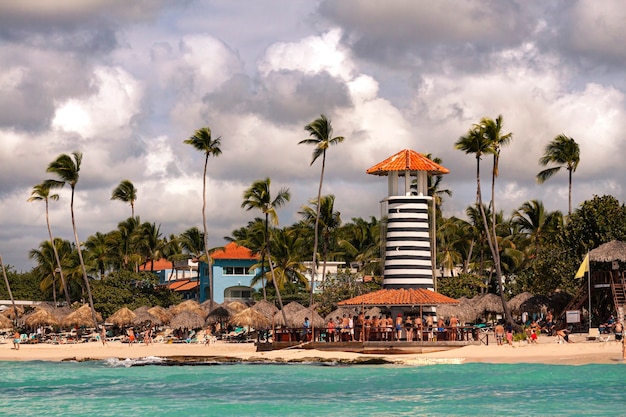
407 160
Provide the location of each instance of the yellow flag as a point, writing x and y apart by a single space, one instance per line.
584 267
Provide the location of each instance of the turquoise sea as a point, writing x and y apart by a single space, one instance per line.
113 388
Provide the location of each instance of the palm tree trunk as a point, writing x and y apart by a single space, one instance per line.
280 300
317 222
6 282
56 258
570 192
206 236
82 263
496 249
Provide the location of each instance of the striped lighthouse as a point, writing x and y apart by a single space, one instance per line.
408 242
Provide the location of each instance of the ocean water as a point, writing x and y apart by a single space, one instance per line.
113 388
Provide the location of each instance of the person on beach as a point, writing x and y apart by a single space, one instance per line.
429 327
331 330
16 341
499 332
147 336
398 327
619 329
408 328
564 333
509 334
454 322
131 336
103 335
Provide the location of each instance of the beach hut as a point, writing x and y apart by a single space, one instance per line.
515 303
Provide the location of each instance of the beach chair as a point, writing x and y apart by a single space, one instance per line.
594 334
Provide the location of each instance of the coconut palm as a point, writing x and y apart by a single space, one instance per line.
202 141
492 131
321 131
150 243
477 142
41 192
259 196
100 252
329 219
47 266
360 241
565 152
127 193
67 167
6 282
124 243
534 220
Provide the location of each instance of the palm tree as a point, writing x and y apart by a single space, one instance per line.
150 243
41 192
100 251
202 141
565 152
258 196
330 221
46 264
321 131
124 243
6 282
477 142
492 130
127 193
67 169
533 219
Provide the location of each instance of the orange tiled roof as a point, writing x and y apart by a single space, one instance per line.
233 251
191 285
407 160
400 297
173 285
159 265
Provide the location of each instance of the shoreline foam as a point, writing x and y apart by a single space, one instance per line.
547 351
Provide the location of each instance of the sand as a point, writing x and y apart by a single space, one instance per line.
547 351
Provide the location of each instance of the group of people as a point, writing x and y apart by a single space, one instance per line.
384 327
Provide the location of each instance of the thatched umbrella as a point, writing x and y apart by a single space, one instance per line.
187 319
188 305
235 307
143 317
218 315
536 304
489 303
266 308
41 317
339 312
614 250
81 317
374 311
297 319
122 317
10 313
516 302
161 313
5 322
250 318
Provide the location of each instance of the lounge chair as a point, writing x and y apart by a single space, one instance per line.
594 334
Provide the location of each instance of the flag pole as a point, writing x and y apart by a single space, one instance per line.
589 288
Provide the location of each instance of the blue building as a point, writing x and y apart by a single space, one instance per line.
231 275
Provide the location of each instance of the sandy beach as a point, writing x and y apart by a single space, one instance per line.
547 351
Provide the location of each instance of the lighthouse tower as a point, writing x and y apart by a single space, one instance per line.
408 261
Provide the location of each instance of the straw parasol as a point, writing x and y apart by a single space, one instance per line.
235 307
188 305
187 319
488 303
41 317
142 316
339 312
218 314
122 317
250 318
81 317
161 313
374 311
297 319
266 308
516 302
536 304
614 250
10 312
5 322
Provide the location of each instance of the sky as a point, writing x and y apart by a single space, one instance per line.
125 83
